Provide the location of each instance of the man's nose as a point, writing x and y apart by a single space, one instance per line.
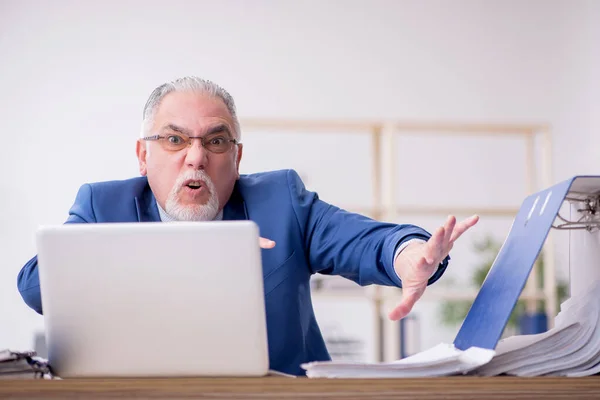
197 155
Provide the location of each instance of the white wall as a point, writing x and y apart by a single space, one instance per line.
74 77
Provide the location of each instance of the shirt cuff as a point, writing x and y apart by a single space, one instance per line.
403 246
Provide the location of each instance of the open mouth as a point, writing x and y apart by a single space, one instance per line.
194 185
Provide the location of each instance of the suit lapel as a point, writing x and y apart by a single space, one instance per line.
146 208
235 209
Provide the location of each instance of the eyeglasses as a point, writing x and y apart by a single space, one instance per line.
215 143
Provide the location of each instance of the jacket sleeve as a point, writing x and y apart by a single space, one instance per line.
28 281
342 243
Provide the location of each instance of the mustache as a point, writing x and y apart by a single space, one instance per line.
195 176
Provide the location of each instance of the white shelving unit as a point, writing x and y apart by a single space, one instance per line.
383 135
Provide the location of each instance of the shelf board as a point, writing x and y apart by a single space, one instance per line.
398 127
394 294
311 125
435 210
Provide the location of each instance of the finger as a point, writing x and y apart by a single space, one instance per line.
449 227
435 243
266 243
407 302
463 226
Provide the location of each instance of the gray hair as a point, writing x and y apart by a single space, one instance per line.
192 84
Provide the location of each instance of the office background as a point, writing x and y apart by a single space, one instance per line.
76 74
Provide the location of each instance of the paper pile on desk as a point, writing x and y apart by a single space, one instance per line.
571 348
22 365
443 359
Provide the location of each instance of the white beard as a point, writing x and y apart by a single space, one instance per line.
192 212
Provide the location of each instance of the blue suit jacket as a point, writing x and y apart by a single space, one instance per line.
312 236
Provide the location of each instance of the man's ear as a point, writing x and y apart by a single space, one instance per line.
142 153
239 158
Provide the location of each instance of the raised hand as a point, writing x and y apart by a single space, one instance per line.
418 261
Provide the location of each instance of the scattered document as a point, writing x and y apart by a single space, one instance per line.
441 360
22 365
571 348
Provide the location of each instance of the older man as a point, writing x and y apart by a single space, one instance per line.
189 156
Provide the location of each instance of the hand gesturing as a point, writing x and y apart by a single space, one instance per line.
418 261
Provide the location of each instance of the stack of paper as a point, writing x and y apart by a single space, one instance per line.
571 348
443 359
22 365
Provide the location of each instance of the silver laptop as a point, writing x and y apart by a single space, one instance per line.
153 299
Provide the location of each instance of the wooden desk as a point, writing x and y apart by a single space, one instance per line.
303 388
